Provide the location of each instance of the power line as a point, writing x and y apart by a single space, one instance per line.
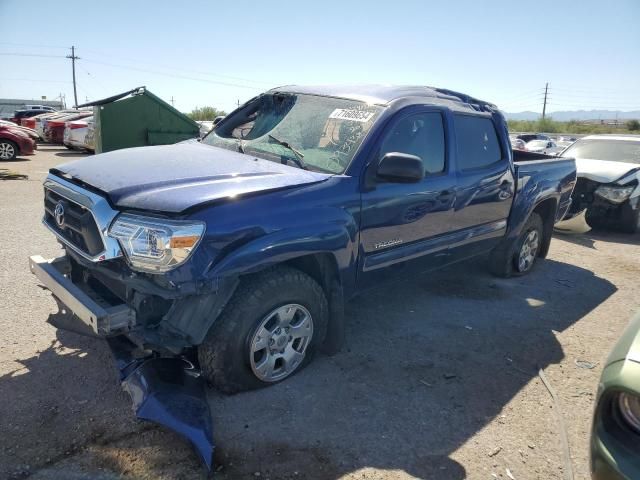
19 54
228 84
41 80
30 45
173 68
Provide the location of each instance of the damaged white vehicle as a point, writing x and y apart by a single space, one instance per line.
608 188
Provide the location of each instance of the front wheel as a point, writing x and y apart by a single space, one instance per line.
269 330
8 150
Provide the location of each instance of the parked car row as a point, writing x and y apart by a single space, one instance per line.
66 127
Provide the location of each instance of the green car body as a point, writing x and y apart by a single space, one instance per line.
615 443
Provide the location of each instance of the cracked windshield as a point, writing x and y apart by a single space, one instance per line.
311 132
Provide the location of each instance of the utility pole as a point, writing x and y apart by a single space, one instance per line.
172 102
544 107
73 69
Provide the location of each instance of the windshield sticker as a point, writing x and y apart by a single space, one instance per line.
352 115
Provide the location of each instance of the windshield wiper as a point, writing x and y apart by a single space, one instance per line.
299 156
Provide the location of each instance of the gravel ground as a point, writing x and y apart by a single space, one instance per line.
438 379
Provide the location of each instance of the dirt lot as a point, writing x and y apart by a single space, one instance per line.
438 380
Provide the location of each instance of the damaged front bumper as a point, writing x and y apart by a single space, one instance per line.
95 314
165 390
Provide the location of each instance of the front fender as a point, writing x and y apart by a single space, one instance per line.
336 238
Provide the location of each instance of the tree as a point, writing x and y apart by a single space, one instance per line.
633 125
205 113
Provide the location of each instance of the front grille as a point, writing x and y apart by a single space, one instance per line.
78 227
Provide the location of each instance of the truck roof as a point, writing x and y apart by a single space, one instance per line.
385 94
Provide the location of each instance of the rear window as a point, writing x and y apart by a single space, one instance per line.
476 142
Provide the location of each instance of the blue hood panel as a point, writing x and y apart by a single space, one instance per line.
173 178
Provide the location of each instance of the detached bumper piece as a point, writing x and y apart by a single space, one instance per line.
168 391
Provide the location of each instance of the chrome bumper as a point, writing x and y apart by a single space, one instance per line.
103 320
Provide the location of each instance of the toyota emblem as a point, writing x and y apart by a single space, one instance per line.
58 213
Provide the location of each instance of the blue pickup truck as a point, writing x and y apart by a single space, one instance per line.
239 250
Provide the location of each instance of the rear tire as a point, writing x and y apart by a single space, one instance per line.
240 348
8 150
519 257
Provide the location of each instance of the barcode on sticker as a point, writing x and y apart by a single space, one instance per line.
353 115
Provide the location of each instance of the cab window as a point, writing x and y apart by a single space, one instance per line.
422 135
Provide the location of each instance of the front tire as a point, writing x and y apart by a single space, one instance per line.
8 150
269 330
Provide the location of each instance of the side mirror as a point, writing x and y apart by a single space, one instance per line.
216 120
399 167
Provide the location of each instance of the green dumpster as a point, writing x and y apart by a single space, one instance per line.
138 118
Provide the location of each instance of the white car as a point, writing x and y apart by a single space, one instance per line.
75 134
540 146
608 186
205 126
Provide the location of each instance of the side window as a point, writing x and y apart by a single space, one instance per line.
476 142
422 135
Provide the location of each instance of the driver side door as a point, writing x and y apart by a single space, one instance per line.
403 224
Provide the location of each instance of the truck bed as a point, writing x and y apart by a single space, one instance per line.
520 156
541 175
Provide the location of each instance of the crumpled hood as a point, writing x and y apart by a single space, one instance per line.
603 171
173 178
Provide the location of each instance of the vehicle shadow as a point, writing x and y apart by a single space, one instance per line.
588 239
71 153
428 363
15 160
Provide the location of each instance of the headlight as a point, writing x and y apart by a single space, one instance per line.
614 194
154 244
630 409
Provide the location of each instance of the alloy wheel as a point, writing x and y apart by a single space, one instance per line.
278 345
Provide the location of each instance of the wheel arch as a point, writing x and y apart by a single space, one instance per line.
547 211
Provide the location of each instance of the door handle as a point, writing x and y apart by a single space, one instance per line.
444 196
505 190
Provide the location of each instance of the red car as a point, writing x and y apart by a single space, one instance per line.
54 130
14 142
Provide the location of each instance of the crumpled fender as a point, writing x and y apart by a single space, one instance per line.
338 239
167 391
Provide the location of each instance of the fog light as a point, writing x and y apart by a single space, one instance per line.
630 409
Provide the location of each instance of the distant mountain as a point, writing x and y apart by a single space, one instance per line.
565 116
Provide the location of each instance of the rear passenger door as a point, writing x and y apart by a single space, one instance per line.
485 185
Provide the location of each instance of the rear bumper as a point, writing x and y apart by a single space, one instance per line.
102 319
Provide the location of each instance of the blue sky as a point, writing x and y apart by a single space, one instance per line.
216 53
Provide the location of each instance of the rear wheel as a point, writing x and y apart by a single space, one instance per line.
8 150
528 245
269 331
518 257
